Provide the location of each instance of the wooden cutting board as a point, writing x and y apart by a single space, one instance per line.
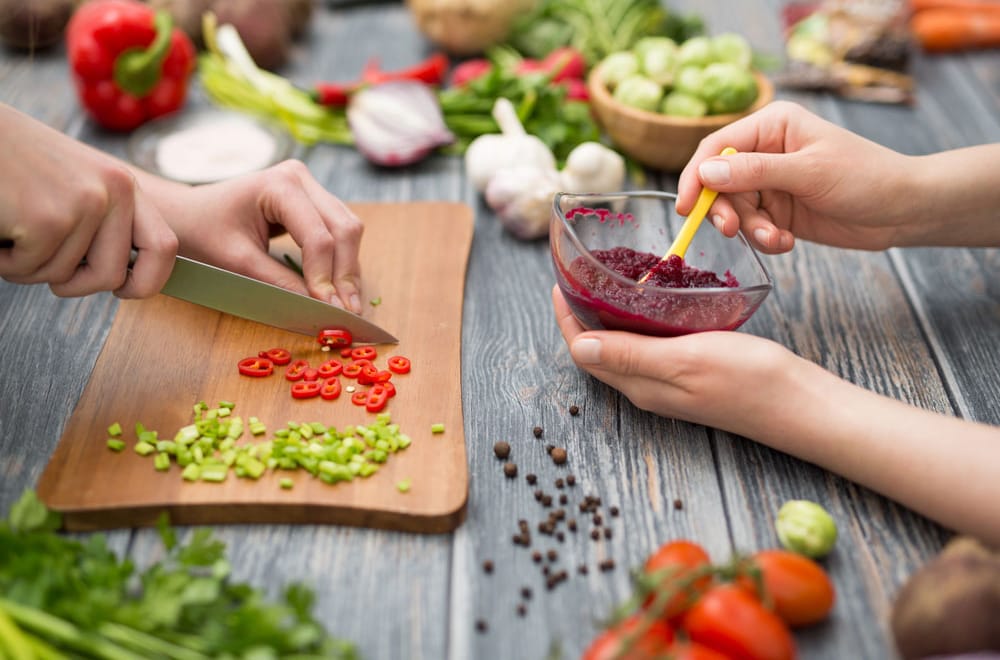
164 355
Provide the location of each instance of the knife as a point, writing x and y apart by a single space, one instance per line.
265 303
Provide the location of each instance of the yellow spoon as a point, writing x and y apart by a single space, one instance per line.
692 222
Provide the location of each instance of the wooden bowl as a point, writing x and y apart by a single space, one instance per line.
656 140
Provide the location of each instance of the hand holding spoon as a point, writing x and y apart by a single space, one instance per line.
692 222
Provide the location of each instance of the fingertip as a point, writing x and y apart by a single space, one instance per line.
586 349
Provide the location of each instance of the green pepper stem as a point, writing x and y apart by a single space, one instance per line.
137 70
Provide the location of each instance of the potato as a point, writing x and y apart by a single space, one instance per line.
952 604
265 26
30 24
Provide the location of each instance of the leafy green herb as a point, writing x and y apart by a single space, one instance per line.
64 598
597 28
542 107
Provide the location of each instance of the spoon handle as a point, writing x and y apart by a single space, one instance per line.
692 222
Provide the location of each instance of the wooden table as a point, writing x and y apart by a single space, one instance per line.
919 325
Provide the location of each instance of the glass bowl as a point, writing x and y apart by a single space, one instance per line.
587 229
206 145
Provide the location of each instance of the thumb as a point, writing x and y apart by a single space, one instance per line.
622 354
746 172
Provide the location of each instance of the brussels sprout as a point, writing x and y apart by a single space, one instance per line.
689 81
616 67
806 528
639 92
728 88
644 45
659 62
696 51
732 47
680 104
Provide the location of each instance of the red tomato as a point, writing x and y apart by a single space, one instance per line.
729 619
796 587
620 641
692 651
669 566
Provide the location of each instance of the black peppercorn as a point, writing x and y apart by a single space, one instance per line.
574 410
613 511
488 566
501 449
678 505
537 431
531 479
570 480
481 626
510 470
558 455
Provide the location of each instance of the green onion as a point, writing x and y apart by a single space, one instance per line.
403 486
115 430
286 483
114 444
437 428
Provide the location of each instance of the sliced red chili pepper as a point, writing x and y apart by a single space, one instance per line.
383 376
367 375
296 370
306 389
336 337
353 369
345 352
390 388
330 389
377 398
310 374
257 367
279 356
330 368
359 398
399 364
364 353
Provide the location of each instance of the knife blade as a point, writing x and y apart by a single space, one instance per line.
232 293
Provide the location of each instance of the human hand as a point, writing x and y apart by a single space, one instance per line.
70 216
816 181
229 224
727 380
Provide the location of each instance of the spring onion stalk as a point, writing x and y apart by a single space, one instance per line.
232 79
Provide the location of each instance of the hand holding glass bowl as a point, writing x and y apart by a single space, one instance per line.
634 230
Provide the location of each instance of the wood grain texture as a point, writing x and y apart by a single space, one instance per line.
918 325
163 355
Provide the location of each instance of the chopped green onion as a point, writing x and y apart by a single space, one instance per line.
115 430
375 302
114 444
437 428
286 483
403 486
144 448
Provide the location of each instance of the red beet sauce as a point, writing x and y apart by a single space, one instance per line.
600 301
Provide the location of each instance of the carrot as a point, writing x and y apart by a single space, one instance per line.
964 5
946 30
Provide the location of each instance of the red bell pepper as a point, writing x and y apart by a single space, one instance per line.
129 63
